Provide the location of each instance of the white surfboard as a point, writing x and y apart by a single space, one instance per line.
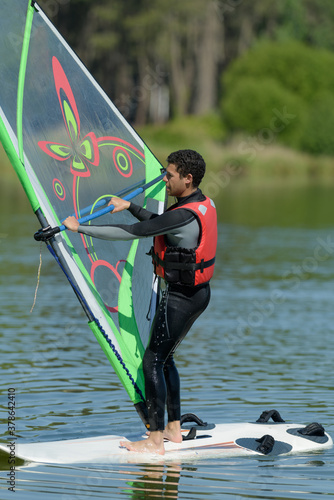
205 441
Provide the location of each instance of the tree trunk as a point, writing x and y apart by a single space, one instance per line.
141 93
179 89
246 35
210 53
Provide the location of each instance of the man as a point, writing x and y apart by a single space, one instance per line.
185 240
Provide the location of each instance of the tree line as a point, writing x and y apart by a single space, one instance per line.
161 59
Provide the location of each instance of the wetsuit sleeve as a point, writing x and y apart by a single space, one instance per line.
167 223
141 213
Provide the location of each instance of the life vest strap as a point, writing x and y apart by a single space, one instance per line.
186 266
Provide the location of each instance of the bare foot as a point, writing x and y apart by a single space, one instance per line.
153 444
172 432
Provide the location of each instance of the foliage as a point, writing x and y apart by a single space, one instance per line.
189 131
318 132
161 60
288 76
263 107
301 69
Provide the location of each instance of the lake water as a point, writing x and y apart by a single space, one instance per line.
266 341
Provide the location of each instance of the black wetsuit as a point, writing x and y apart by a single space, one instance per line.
179 307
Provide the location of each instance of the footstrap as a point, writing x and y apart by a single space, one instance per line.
266 444
267 415
191 417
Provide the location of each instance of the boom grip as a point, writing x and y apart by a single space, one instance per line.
47 233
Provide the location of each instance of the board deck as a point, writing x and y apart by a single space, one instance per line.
211 441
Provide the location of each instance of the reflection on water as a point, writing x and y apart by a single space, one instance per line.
266 341
276 204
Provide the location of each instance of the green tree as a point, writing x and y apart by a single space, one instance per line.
171 52
299 68
264 108
138 49
287 76
318 131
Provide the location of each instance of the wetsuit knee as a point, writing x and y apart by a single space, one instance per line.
150 359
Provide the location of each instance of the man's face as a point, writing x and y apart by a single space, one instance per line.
175 184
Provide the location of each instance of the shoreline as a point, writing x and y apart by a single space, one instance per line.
228 164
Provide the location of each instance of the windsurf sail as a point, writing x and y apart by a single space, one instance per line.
72 150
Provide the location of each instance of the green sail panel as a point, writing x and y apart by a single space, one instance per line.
71 148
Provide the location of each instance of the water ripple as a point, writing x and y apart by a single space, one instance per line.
249 352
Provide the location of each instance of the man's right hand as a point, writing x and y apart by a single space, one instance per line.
119 204
71 223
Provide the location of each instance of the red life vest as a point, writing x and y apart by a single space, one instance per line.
193 266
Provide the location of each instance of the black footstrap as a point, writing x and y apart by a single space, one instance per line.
267 415
191 417
266 444
313 429
191 435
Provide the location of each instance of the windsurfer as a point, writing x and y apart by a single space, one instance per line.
187 234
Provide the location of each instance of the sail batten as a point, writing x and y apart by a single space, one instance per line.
21 80
72 150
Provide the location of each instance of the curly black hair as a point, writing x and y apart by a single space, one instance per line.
187 162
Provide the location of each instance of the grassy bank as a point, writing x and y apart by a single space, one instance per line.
239 159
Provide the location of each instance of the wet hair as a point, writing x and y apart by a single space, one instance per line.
187 162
